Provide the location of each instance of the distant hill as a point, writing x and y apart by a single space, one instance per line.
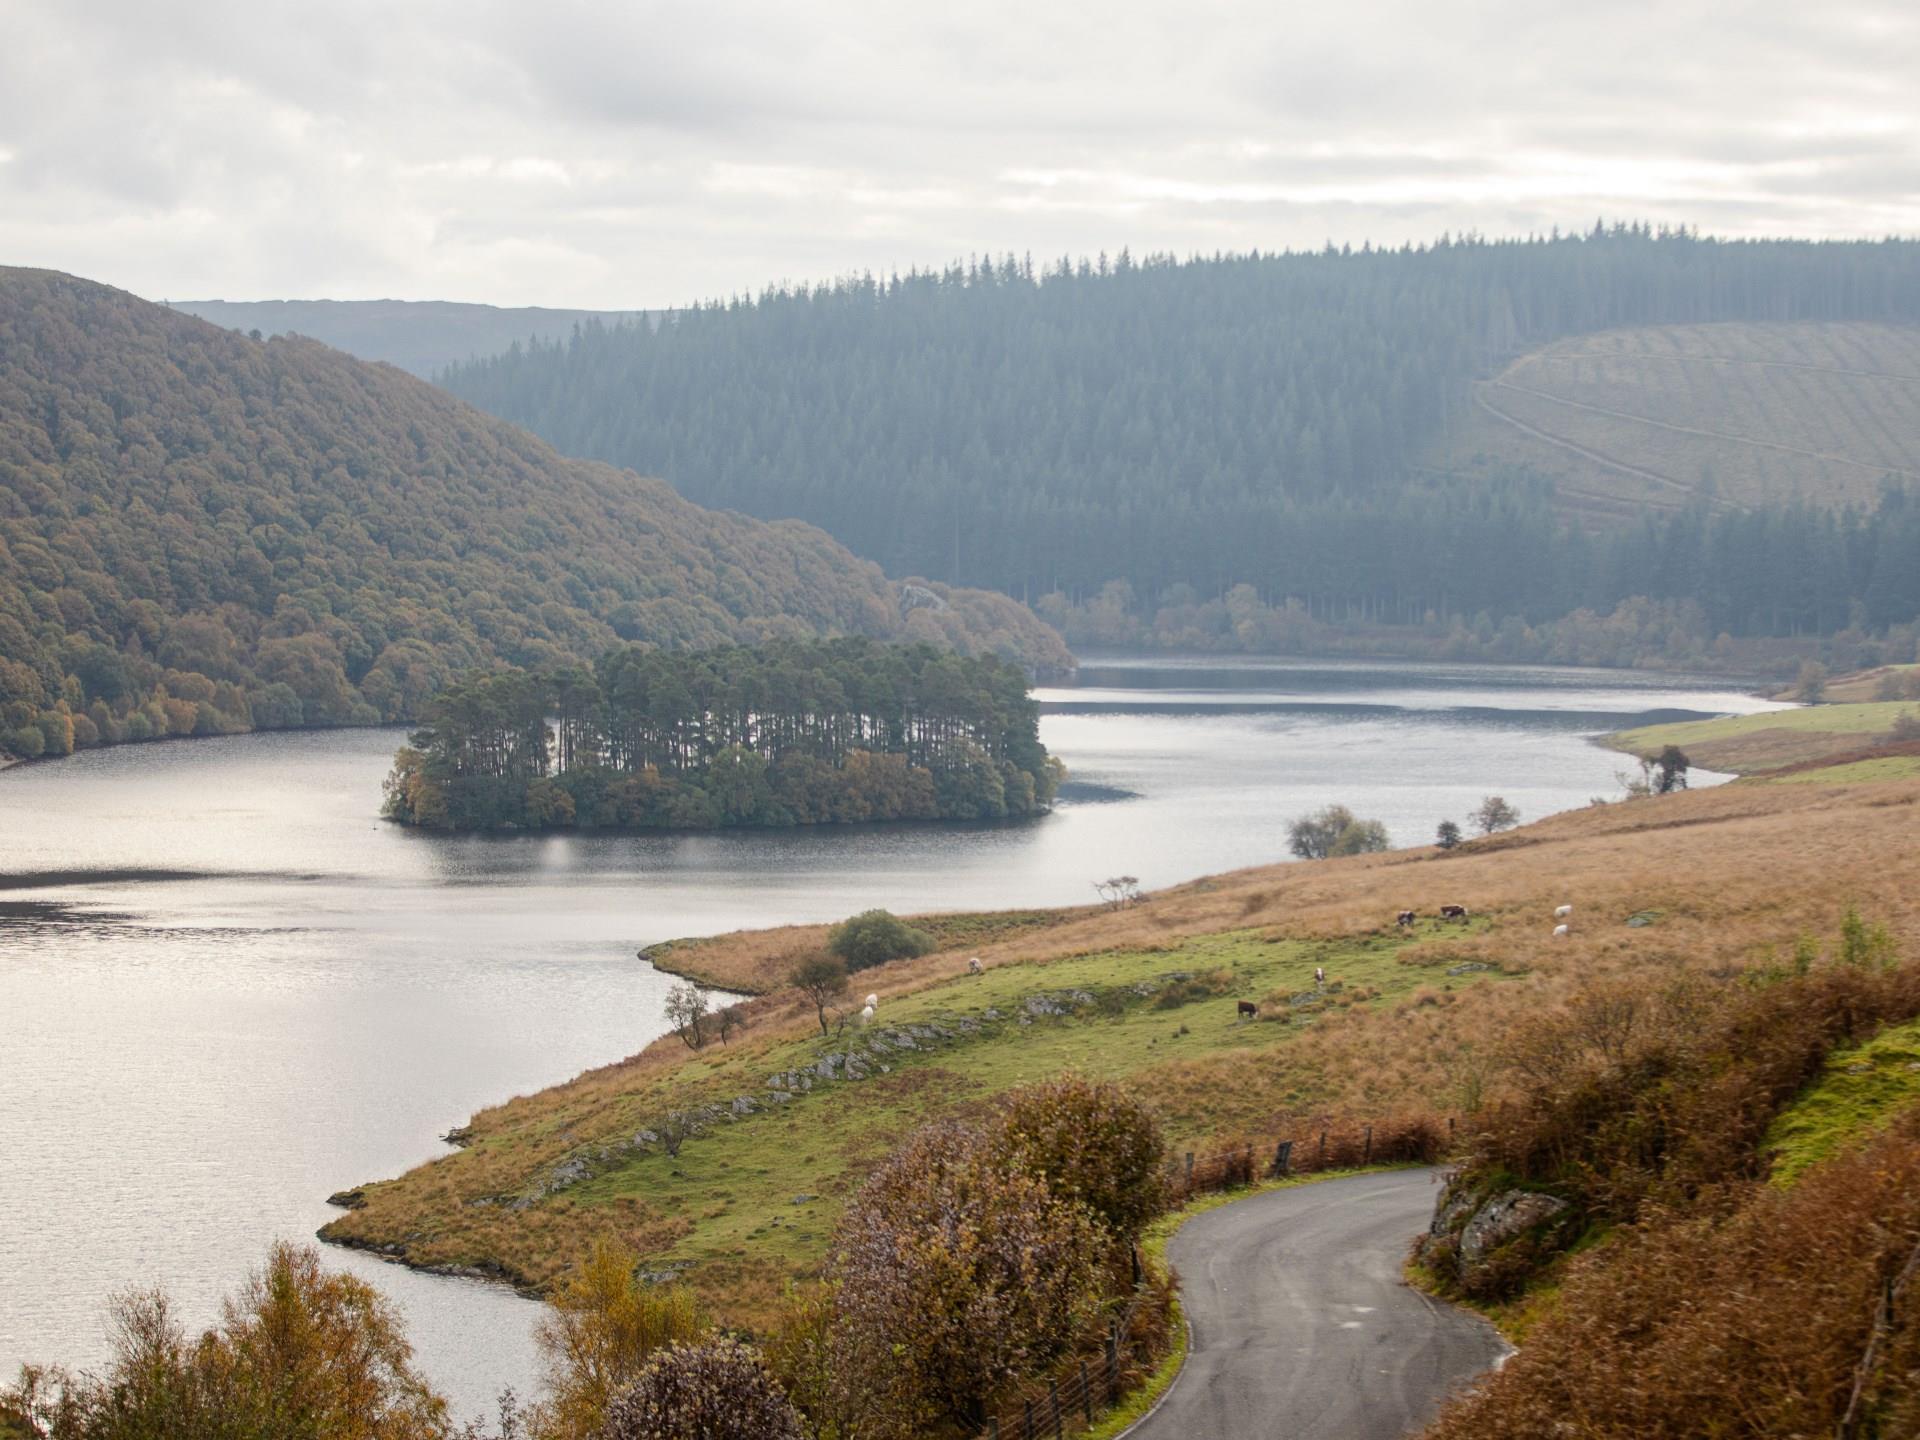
1734 416
1152 438
421 336
201 532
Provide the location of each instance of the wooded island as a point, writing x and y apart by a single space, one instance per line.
791 733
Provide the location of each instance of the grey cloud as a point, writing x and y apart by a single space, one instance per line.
577 153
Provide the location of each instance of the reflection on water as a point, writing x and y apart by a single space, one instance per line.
229 989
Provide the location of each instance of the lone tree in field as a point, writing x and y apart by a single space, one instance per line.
874 937
1118 891
823 980
716 1390
1494 815
686 1007
1334 831
1447 836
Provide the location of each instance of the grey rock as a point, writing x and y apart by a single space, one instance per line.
1470 967
1505 1217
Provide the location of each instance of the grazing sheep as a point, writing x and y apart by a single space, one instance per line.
873 1002
1559 932
1319 976
973 965
866 1016
1562 912
1404 919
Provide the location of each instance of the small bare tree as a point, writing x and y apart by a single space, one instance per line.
1494 814
1118 890
730 1018
823 980
686 1007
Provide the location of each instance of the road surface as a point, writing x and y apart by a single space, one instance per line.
1302 1326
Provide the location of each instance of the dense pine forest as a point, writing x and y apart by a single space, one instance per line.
1275 421
203 533
794 733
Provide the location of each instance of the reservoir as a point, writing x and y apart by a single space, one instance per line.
227 988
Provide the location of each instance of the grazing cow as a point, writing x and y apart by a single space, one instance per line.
1559 932
973 965
1249 1009
1562 912
1453 912
1404 919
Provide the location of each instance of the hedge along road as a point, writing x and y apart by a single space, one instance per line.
1302 1326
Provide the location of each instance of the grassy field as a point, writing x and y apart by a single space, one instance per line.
1736 415
1709 880
1744 744
1864 685
1859 1092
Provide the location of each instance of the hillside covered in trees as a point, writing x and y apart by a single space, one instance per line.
202 533
420 336
1182 428
793 733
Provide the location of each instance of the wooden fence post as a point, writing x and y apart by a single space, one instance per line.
1113 1358
1026 1422
1367 1157
1323 1149
993 1428
1283 1158
1189 1169
1053 1399
1086 1392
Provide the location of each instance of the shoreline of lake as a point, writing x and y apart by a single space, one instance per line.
225 939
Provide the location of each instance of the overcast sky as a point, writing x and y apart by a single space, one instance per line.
631 154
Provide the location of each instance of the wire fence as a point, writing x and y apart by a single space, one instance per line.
1093 1381
1105 1369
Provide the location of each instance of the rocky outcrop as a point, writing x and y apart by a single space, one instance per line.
1502 1219
1481 1240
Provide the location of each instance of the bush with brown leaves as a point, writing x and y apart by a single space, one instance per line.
954 1277
716 1390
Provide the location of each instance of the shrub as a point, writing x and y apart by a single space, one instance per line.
717 1390
954 1276
299 1354
1447 836
1092 1142
1645 1093
27 742
874 937
597 1336
1906 726
1748 1327
1334 831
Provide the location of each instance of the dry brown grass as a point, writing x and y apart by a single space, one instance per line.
1730 875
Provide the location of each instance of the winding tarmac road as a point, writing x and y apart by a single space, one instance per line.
1302 1326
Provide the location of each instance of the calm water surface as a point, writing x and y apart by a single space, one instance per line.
227 989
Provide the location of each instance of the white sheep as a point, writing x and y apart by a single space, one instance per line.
1562 912
974 966
873 1002
866 1016
1559 932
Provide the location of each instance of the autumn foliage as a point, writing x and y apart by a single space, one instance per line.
718 1389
